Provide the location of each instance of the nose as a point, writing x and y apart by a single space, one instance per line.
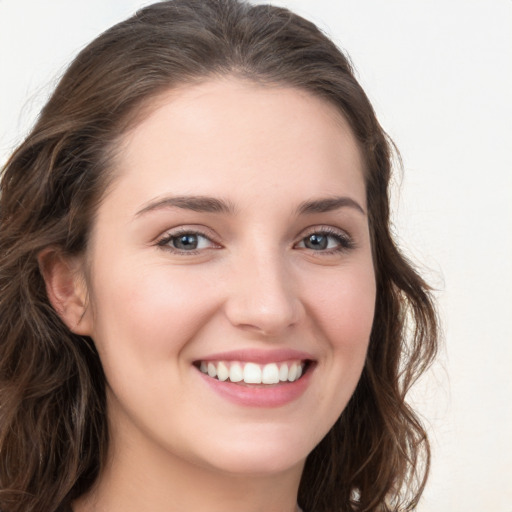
262 296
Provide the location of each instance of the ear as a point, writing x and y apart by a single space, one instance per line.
67 290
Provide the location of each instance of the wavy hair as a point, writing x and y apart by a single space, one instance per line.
53 428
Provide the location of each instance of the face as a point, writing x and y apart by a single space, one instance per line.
230 277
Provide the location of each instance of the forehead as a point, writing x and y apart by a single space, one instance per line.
206 137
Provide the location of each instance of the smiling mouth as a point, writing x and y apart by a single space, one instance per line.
254 373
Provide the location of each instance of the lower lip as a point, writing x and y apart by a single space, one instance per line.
275 395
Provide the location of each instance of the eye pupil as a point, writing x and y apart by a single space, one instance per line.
316 242
184 242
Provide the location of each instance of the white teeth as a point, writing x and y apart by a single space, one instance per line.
222 371
283 372
212 371
270 374
292 372
236 374
252 374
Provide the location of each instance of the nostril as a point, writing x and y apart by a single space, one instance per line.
263 318
262 296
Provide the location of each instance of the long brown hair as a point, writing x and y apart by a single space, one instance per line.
53 430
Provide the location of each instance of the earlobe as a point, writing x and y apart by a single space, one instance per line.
66 289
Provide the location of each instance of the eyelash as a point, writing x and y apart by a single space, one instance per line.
343 241
166 240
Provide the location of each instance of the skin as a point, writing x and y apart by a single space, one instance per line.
253 283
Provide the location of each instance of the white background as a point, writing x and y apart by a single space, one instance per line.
439 73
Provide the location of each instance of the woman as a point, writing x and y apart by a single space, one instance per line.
201 304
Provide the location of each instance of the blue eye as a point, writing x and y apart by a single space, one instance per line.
325 241
186 242
317 242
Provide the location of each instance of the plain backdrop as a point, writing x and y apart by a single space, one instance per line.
439 73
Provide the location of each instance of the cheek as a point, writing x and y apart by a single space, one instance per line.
150 310
344 305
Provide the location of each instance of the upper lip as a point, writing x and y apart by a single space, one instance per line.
259 356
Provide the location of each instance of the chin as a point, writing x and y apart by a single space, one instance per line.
259 454
257 465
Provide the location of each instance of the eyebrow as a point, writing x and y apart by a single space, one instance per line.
207 204
194 203
329 204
